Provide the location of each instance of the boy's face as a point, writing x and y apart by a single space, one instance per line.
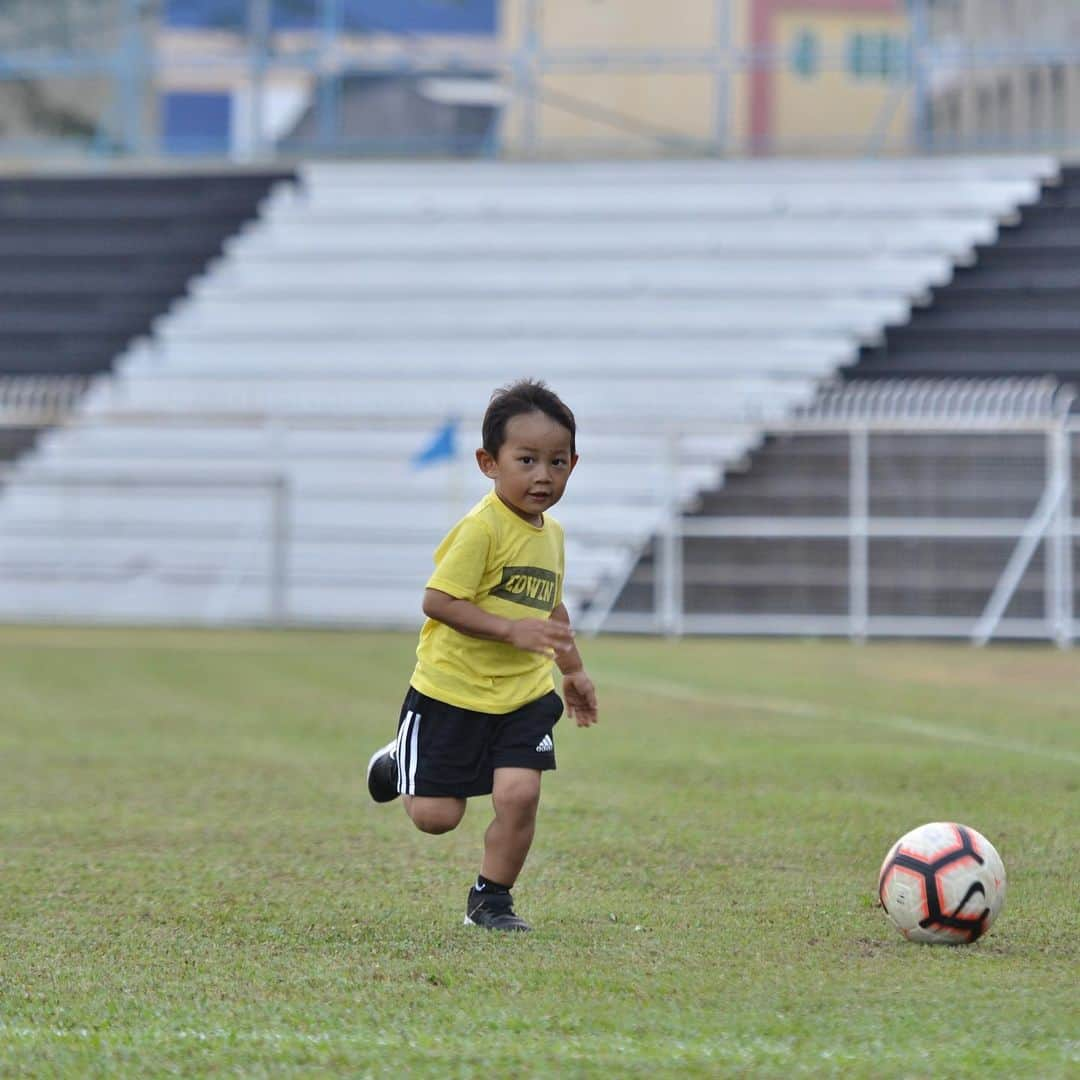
533 465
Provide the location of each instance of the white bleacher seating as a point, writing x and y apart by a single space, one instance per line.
558 355
215 318
952 235
686 276
371 302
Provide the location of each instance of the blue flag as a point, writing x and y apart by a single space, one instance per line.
441 447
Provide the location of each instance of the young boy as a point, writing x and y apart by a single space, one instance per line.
479 713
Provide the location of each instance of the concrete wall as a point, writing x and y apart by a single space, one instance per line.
1030 101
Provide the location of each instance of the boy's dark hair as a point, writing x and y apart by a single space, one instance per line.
524 396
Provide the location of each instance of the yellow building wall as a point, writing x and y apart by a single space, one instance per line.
634 109
620 24
628 113
631 108
836 110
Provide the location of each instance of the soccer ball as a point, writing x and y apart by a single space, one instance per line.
942 884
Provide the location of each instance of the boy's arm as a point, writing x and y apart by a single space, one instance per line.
578 690
532 635
569 660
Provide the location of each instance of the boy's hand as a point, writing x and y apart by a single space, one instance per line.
580 697
540 635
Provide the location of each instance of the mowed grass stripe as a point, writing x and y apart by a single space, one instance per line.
808 709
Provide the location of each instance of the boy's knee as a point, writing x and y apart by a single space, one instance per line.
519 796
436 815
433 824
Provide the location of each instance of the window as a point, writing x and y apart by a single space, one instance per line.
955 109
1005 106
1057 97
877 56
391 16
196 123
984 110
806 54
945 116
1036 121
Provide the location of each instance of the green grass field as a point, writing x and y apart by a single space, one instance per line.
193 881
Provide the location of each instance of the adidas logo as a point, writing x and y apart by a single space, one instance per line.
545 745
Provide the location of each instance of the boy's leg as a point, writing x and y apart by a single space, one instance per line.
433 814
432 762
523 748
383 779
516 796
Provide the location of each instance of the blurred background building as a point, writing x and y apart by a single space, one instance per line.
247 79
747 76
1003 73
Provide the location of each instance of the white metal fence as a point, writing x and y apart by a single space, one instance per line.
271 541
1004 409
1051 526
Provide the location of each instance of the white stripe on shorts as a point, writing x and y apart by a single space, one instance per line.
414 753
402 748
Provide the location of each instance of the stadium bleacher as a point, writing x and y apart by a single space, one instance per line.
369 304
88 263
1012 313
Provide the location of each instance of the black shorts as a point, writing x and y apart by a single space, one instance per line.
446 751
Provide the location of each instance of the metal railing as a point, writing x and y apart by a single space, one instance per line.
1002 408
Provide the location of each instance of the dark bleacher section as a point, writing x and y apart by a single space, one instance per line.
1016 312
87 263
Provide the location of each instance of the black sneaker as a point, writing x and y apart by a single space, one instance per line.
382 777
493 911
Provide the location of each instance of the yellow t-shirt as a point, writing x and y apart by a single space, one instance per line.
502 564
